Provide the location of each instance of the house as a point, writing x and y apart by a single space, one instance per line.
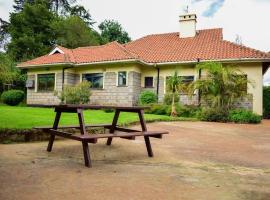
119 73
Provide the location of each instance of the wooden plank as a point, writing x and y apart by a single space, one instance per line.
71 108
76 126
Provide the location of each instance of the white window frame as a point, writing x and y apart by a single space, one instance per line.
36 80
117 76
103 81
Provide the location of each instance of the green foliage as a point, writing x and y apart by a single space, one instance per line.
266 102
31 32
112 31
244 116
73 32
173 85
147 97
79 94
213 115
222 85
81 12
158 109
167 100
9 74
12 97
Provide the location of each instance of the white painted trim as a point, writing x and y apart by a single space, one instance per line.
103 81
55 80
151 64
55 50
117 76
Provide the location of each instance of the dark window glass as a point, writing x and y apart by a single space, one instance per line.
122 78
96 80
46 82
148 82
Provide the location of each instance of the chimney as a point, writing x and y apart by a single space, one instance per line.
188 25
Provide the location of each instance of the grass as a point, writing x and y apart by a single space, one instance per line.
18 117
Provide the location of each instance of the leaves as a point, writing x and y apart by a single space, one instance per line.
111 31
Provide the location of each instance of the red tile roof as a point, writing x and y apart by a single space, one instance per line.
159 48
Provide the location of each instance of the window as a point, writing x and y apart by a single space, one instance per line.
46 82
122 78
148 82
96 80
186 80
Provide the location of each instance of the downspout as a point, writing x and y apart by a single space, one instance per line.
63 76
157 81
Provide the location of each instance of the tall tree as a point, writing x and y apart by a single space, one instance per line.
73 32
61 5
112 31
173 85
81 12
31 32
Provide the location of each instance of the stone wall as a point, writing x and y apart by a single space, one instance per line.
117 95
43 98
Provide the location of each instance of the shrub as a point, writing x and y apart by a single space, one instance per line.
188 111
266 102
158 109
244 116
168 99
213 115
12 97
147 97
79 94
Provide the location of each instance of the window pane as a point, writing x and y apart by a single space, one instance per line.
46 82
122 78
96 80
148 82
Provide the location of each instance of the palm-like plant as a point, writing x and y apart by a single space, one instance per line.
173 85
221 86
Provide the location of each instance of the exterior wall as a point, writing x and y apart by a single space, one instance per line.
255 74
114 95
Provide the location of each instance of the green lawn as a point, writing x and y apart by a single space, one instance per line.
16 117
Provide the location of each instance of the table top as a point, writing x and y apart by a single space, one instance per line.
86 106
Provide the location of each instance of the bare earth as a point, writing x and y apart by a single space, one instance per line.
197 160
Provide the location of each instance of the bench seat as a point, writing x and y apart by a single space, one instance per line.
74 126
92 138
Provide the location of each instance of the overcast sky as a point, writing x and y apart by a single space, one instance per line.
247 18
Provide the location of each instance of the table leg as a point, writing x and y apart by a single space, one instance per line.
81 121
146 138
114 123
86 154
55 126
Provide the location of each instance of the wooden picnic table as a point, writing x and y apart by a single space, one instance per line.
114 129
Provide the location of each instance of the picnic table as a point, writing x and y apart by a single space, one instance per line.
114 130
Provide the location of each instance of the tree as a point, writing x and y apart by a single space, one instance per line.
72 32
173 85
81 12
112 31
9 74
31 32
221 86
59 6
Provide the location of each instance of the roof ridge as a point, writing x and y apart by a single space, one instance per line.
97 46
126 50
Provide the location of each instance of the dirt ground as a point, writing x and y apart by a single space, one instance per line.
197 160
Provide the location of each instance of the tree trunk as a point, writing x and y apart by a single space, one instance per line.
173 113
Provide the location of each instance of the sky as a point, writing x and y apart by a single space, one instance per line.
247 18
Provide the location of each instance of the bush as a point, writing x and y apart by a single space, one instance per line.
244 116
168 99
79 94
147 97
12 97
188 111
266 102
213 115
157 109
